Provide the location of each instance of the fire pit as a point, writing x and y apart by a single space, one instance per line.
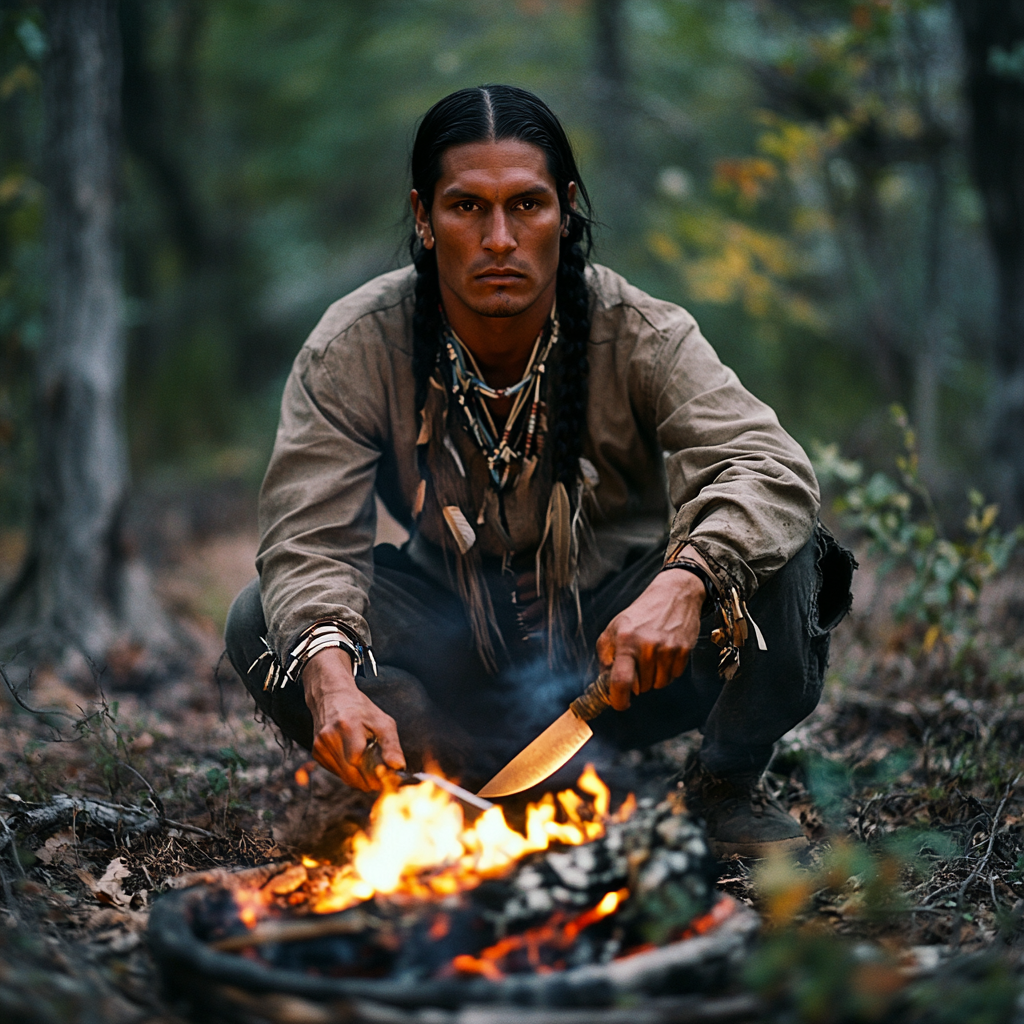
583 907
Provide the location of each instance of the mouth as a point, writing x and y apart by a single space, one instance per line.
500 276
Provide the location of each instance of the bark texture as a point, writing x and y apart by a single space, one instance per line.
77 587
993 32
613 113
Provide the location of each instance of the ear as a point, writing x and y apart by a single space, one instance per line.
571 193
422 215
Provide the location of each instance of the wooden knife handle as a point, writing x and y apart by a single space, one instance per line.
373 762
594 699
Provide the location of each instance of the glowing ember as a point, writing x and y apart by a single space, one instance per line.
552 938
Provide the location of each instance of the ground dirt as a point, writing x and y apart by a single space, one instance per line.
905 744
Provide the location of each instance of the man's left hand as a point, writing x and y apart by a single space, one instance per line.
648 645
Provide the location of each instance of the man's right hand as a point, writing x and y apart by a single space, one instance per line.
345 720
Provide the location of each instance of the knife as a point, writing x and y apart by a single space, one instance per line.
374 761
555 745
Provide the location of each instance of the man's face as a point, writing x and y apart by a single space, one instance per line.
496 225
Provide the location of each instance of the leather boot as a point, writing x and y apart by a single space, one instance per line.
740 816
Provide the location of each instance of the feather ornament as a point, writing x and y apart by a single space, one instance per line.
465 536
560 525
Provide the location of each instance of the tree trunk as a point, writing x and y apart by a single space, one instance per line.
993 32
614 116
77 588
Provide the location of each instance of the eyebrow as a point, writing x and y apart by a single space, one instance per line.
453 192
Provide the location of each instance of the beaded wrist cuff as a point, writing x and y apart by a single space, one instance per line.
320 636
731 635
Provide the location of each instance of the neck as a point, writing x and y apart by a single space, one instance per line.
501 345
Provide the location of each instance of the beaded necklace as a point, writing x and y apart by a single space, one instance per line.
518 441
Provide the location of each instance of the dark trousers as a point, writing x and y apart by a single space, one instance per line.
449 707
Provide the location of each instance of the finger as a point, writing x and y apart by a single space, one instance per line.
647 665
663 669
324 754
621 681
679 663
390 747
328 751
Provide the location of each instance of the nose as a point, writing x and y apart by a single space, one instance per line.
499 237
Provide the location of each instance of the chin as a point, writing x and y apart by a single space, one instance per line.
502 304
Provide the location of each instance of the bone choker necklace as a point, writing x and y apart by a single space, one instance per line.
520 437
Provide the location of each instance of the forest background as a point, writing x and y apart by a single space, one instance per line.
835 189
798 174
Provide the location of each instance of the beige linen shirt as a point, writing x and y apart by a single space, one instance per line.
678 444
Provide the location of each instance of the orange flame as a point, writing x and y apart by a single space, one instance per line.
417 842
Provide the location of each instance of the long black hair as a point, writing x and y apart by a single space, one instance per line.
493 113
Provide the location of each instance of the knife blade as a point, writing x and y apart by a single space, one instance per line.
472 799
554 746
375 763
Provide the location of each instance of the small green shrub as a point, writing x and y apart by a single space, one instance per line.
899 517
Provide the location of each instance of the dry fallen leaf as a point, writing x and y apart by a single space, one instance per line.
55 850
108 889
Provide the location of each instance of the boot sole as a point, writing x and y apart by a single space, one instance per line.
723 851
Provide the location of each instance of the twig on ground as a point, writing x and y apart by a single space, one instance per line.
153 796
955 941
79 724
194 829
59 737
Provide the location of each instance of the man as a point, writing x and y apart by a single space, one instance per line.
579 474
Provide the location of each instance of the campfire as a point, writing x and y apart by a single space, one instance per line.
424 900
419 846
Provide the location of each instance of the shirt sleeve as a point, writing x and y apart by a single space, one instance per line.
743 490
317 515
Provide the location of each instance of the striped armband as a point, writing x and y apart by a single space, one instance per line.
320 636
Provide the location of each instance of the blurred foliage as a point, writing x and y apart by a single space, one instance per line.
791 170
807 972
900 519
851 219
